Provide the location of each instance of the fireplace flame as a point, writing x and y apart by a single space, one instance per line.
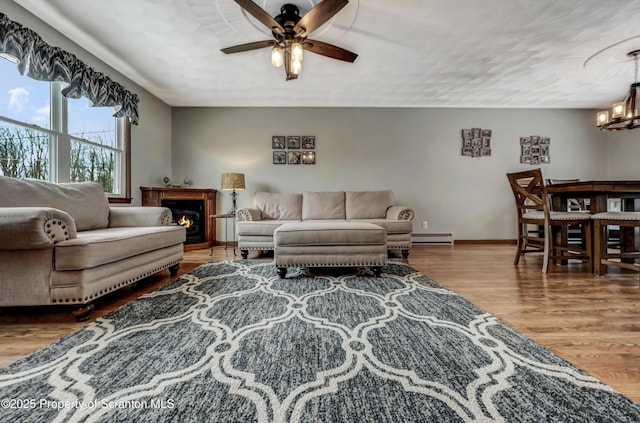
185 221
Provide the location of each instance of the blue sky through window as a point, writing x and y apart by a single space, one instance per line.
27 100
23 98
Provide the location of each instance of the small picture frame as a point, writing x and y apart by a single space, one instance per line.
477 132
279 157
293 157
308 142
277 142
467 133
309 157
293 141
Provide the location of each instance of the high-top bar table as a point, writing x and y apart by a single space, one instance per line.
599 193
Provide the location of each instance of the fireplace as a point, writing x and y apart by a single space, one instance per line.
191 208
190 214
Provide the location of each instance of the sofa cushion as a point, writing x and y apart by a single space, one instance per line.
392 226
85 202
367 204
102 246
329 233
260 227
278 206
323 205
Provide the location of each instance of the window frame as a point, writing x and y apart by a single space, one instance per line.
60 142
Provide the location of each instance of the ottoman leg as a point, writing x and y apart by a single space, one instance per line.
405 254
282 272
244 254
377 271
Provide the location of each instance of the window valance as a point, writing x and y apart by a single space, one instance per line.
47 63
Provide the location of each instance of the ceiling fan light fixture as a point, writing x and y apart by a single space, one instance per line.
290 34
296 67
297 51
277 56
624 114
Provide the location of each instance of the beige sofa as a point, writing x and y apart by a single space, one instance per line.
256 224
64 244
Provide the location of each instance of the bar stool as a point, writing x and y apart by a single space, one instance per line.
534 208
604 255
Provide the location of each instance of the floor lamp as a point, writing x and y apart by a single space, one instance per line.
233 182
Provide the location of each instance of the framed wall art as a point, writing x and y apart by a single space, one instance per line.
308 142
277 142
309 157
535 150
293 141
476 142
293 157
297 149
279 157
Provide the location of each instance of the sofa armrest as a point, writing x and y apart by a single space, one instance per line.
33 228
120 217
248 214
399 213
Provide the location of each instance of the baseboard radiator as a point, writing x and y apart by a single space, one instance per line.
432 239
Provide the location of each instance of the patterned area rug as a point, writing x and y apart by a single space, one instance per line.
231 342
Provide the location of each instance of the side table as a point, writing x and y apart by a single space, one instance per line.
226 216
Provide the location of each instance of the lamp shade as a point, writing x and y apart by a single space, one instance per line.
232 181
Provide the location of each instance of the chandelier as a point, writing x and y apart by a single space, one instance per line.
623 114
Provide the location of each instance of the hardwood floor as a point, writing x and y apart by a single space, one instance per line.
592 322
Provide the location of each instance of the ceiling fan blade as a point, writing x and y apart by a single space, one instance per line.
317 16
261 15
248 46
329 50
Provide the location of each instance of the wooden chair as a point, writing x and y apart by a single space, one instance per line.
573 204
534 208
574 232
608 254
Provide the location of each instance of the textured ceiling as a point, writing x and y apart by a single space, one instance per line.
412 53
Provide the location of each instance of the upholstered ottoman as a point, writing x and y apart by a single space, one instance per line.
329 244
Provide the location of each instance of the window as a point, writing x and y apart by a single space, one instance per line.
44 135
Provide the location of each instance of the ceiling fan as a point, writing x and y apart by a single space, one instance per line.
290 32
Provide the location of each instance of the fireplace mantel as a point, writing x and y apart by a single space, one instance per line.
153 196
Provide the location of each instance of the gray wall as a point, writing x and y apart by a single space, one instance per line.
624 154
151 139
415 152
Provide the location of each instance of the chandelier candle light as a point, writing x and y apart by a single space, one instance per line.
233 182
624 114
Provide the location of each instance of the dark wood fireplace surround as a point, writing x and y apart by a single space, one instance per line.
153 196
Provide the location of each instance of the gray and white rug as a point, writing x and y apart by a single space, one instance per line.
231 342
